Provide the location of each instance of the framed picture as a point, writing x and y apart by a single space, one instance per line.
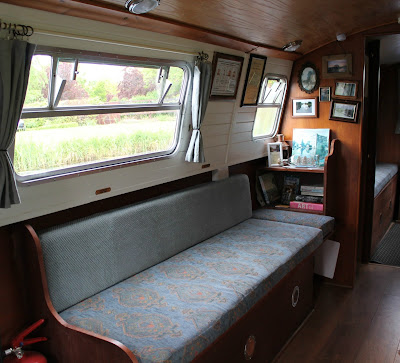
324 94
275 153
308 77
346 89
305 107
337 66
342 110
254 78
226 75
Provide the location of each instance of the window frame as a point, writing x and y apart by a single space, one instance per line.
111 59
280 106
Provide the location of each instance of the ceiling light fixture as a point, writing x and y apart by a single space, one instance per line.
141 6
292 46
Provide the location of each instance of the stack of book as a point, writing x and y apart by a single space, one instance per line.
311 198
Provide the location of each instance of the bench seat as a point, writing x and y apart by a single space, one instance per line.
384 172
324 223
175 309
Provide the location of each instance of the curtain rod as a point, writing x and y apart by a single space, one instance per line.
112 42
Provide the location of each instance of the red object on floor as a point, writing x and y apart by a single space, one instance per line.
28 357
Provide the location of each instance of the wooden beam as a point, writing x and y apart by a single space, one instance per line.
114 14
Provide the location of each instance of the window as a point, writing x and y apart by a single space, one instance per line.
88 111
269 106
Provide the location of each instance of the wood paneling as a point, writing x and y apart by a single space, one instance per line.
344 206
267 24
388 143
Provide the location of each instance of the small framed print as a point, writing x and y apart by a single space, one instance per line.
324 94
343 110
226 75
275 153
305 107
337 66
346 89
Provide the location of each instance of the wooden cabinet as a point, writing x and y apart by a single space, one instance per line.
307 176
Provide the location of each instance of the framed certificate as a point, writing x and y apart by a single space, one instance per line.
226 75
254 78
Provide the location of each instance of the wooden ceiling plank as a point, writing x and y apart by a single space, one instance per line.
113 14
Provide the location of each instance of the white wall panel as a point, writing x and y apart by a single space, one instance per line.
226 128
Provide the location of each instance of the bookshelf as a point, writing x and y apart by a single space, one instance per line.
308 176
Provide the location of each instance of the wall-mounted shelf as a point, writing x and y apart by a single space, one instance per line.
322 176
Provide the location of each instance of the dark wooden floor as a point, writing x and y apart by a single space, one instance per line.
352 325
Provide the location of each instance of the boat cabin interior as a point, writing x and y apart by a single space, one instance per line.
199 181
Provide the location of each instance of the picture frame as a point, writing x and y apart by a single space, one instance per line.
225 76
305 107
346 89
253 81
308 77
275 154
337 66
344 110
324 94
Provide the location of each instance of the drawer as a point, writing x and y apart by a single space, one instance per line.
271 322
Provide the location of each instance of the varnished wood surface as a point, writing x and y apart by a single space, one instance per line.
115 14
359 325
267 24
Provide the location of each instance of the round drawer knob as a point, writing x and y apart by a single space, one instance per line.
250 347
295 296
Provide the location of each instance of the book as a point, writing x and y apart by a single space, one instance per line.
269 188
309 199
307 206
315 194
312 188
291 186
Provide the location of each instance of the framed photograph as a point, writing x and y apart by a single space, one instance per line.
305 107
324 94
226 75
346 89
337 66
275 153
310 146
308 77
254 78
342 110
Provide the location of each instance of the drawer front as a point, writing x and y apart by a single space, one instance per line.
383 212
270 323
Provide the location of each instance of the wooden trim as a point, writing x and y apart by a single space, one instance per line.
113 14
331 167
66 343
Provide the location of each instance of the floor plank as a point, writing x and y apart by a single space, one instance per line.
352 325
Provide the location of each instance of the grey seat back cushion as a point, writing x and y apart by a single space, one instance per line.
89 255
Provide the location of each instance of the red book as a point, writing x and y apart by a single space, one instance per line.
307 206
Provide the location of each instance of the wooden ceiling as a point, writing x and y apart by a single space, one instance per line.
269 24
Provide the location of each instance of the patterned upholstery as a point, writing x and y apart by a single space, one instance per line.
174 310
87 256
325 223
383 174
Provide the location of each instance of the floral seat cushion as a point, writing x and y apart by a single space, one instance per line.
325 223
174 310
